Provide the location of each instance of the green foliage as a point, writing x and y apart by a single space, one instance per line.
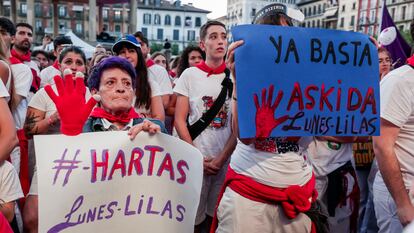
156 47
407 37
175 49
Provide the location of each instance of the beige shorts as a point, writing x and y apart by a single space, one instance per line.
239 214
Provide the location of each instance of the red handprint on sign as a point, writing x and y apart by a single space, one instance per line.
71 105
265 119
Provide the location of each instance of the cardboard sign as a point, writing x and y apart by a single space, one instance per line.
325 82
103 182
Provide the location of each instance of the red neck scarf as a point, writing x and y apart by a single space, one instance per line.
150 63
204 67
172 73
410 60
22 58
124 118
56 64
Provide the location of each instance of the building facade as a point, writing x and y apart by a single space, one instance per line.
347 15
370 13
243 11
179 23
314 11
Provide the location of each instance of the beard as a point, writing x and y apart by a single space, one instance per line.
25 47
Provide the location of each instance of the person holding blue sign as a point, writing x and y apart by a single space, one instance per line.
203 96
269 186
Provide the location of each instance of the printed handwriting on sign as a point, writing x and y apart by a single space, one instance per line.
65 164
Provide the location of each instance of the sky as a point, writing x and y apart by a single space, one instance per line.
218 8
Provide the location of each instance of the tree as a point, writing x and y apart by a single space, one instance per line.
175 49
156 47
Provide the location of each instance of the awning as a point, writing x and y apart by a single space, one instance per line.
330 12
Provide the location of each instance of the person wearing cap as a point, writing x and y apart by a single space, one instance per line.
197 89
47 74
148 100
155 72
269 186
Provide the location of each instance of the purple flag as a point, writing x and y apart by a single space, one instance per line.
391 39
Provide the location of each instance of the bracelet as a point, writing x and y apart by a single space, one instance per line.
234 98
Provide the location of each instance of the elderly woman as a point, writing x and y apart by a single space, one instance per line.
113 82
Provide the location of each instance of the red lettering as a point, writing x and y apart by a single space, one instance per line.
135 162
324 98
96 165
296 96
180 165
311 104
119 163
350 106
166 164
153 150
369 100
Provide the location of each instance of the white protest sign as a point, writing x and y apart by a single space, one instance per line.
103 182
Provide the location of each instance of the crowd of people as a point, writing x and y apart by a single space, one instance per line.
262 184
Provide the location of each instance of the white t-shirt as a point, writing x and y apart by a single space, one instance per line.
155 91
397 107
160 75
273 169
47 74
10 189
202 91
33 65
23 77
327 156
3 91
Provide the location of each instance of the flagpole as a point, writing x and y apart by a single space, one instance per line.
380 21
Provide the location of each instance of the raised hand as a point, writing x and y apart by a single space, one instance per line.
71 105
265 119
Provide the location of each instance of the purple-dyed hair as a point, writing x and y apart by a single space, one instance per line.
110 63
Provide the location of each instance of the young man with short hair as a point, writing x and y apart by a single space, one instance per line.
197 89
49 72
155 72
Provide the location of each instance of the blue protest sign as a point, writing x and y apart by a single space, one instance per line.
296 81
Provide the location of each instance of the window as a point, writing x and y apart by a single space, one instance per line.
177 21
403 13
319 9
38 25
117 28
304 12
78 27
145 31
254 11
343 8
23 8
352 23
318 24
342 23
62 11
401 28
117 15
198 22
105 14
176 34
393 13
314 10
354 6
160 34
188 22
147 18
157 19
167 20
38 10
313 23
191 35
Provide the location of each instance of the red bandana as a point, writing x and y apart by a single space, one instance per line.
204 67
410 60
124 118
22 58
172 73
150 63
56 64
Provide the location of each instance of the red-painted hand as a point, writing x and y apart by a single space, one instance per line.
70 103
265 114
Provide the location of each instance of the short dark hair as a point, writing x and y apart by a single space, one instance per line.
73 49
204 28
141 36
26 25
60 40
7 25
110 63
44 53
